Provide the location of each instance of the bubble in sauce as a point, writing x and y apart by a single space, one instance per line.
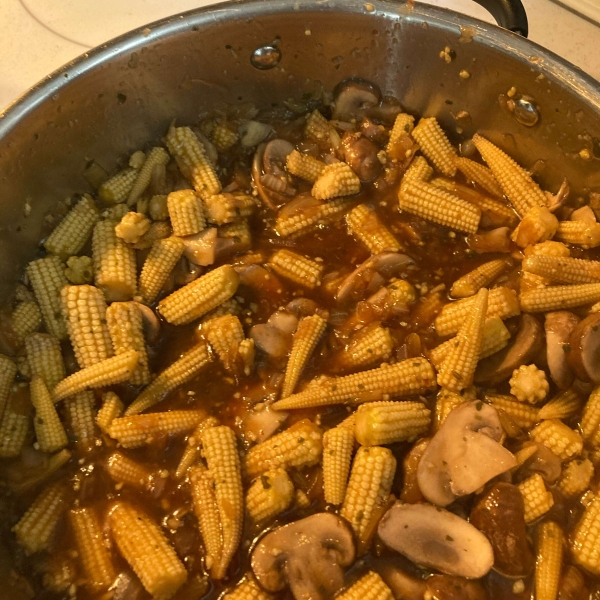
526 111
265 57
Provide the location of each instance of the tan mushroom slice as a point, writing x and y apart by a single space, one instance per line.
200 248
308 555
584 343
559 325
436 538
361 154
464 454
352 98
150 324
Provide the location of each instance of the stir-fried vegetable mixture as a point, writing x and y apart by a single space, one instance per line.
308 352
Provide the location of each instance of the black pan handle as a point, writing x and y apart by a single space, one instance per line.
509 14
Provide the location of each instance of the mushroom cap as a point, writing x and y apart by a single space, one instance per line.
436 538
352 97
308 555
200 247
559 325
275 154
584 356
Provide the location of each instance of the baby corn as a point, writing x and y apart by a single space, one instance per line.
304 166
186 212
364 224
435 145
271 494
158 266
559 297
479 174
370 345
336 180
563 270
338 445
482 276
297 268
550 542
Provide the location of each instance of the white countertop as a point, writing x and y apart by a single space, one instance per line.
39 36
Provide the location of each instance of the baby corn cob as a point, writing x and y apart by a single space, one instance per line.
538 225
576 477
502 302
298 446
419 169
247 590
271 494
219 447
8 372
238 230
35 528
303 220
370 345
192 450
247 352
116 189
158 265
537 499
81 415
579 233
585 542
336 180
26 318
47 277
193 162
124 321
457 371
516 183
368 587
318 128
44 356
49 430
15 423
226 208
550 542
156 157
482 276
304 166
124 470
559 297
563 406
138 430
297 268
147 550
523 415
225 334
181 371
93 552
382 423
435 145
224 137
590 419
114 263
71 234
159 230
107 372
369 487
439 206
555 435
403 126
133 226
306 337
338 445
364 224
199 297
111 408
563 270
186 212
408 377
479 174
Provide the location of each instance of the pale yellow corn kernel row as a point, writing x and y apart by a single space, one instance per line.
579 233
516 183
248 589
26 318
107 372
189 364
536 498
226 208
309 332
36 527
408 377
238 230
558 437
159 230
365 225
47 278
229 307
435 145
338 446
158 266
576 477
156 157
590 419
219 447
157 207
382 423
124 470
523 415
115 270
585 540
563 270
247 352
186 211
437 205
298 446
502 302
318 128
137 430
336 180
458 368
8 372
564 405
44 356
445 403
81 416
482 276
93 552
111 408
368 587
419 169
548 248
538 225
147 550
71 234
370 345
49 430
479 174
225 334
200 296
224 137
297 268
369 487
271 494
304 166
115 213
124 321
304 220
559 297
15 426
192 161
192 449
403 126
548 567
116 189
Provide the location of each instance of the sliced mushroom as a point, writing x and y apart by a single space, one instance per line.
464 454
559 325
500 515
374 132
528 344
302 307
436 538
352 98
262 281
361 154
410 486
271 340
448 587
307 555
572 585
260 425
185 271
253 133
393 570
495 240
268 172
150 324
540 460
200 248
585 213
275 155
584 346
283 320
